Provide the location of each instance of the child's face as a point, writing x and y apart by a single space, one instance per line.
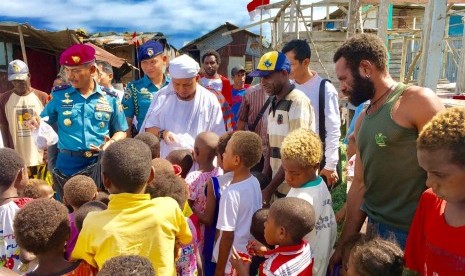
447 179
272 231
295 174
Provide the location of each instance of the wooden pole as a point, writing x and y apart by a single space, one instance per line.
403 59
383 13
260 45
21 41
354 9
460 86
433 36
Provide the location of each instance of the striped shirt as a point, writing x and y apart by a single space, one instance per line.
290 113
293 260
252 103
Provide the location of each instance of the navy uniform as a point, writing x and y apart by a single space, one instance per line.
82 122
139 94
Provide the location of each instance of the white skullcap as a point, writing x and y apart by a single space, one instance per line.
183 67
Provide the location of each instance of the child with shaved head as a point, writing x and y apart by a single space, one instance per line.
301 152
77 191
204 154
435 243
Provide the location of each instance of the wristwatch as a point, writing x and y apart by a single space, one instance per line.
160 134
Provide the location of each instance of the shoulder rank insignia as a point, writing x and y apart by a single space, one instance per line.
61 87
109 91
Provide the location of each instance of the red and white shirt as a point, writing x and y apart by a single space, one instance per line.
295 260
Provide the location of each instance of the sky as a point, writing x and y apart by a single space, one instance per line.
180 20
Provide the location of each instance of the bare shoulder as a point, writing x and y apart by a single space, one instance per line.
417 95
419 105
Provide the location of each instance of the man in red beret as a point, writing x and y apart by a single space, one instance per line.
89 117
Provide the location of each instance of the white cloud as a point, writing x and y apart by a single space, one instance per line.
170 17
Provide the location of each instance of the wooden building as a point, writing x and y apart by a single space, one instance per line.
238 48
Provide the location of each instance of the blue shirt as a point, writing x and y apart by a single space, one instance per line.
237 96
138 96
84 121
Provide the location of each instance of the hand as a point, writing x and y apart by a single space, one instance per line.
102 147
239 263
266 196
336 259
331 177
108 141
177 251
33 123
168 137
255 248
341 214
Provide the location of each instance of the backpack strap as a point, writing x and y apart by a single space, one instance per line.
260 114
216 187
321 111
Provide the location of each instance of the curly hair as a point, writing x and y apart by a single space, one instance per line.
377 256
10 162
248 146
223 142
363 47
42 226
35 189
152 141
167 184
446 131
82 212
31 191
128 164
212 53
78 190
296 215
129 265
303 146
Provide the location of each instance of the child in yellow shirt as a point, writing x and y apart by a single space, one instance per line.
133 224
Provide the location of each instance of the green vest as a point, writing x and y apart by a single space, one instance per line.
394 181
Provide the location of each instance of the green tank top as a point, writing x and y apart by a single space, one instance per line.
394 181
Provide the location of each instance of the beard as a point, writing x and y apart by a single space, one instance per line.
362 90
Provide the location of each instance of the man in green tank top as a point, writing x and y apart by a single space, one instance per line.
388 181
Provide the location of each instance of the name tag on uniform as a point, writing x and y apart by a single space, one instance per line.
103 107
67 105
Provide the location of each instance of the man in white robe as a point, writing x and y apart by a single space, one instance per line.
183 109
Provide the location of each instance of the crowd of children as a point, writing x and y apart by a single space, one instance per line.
171 217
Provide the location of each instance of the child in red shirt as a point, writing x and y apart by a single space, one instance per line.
288 221
436 241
